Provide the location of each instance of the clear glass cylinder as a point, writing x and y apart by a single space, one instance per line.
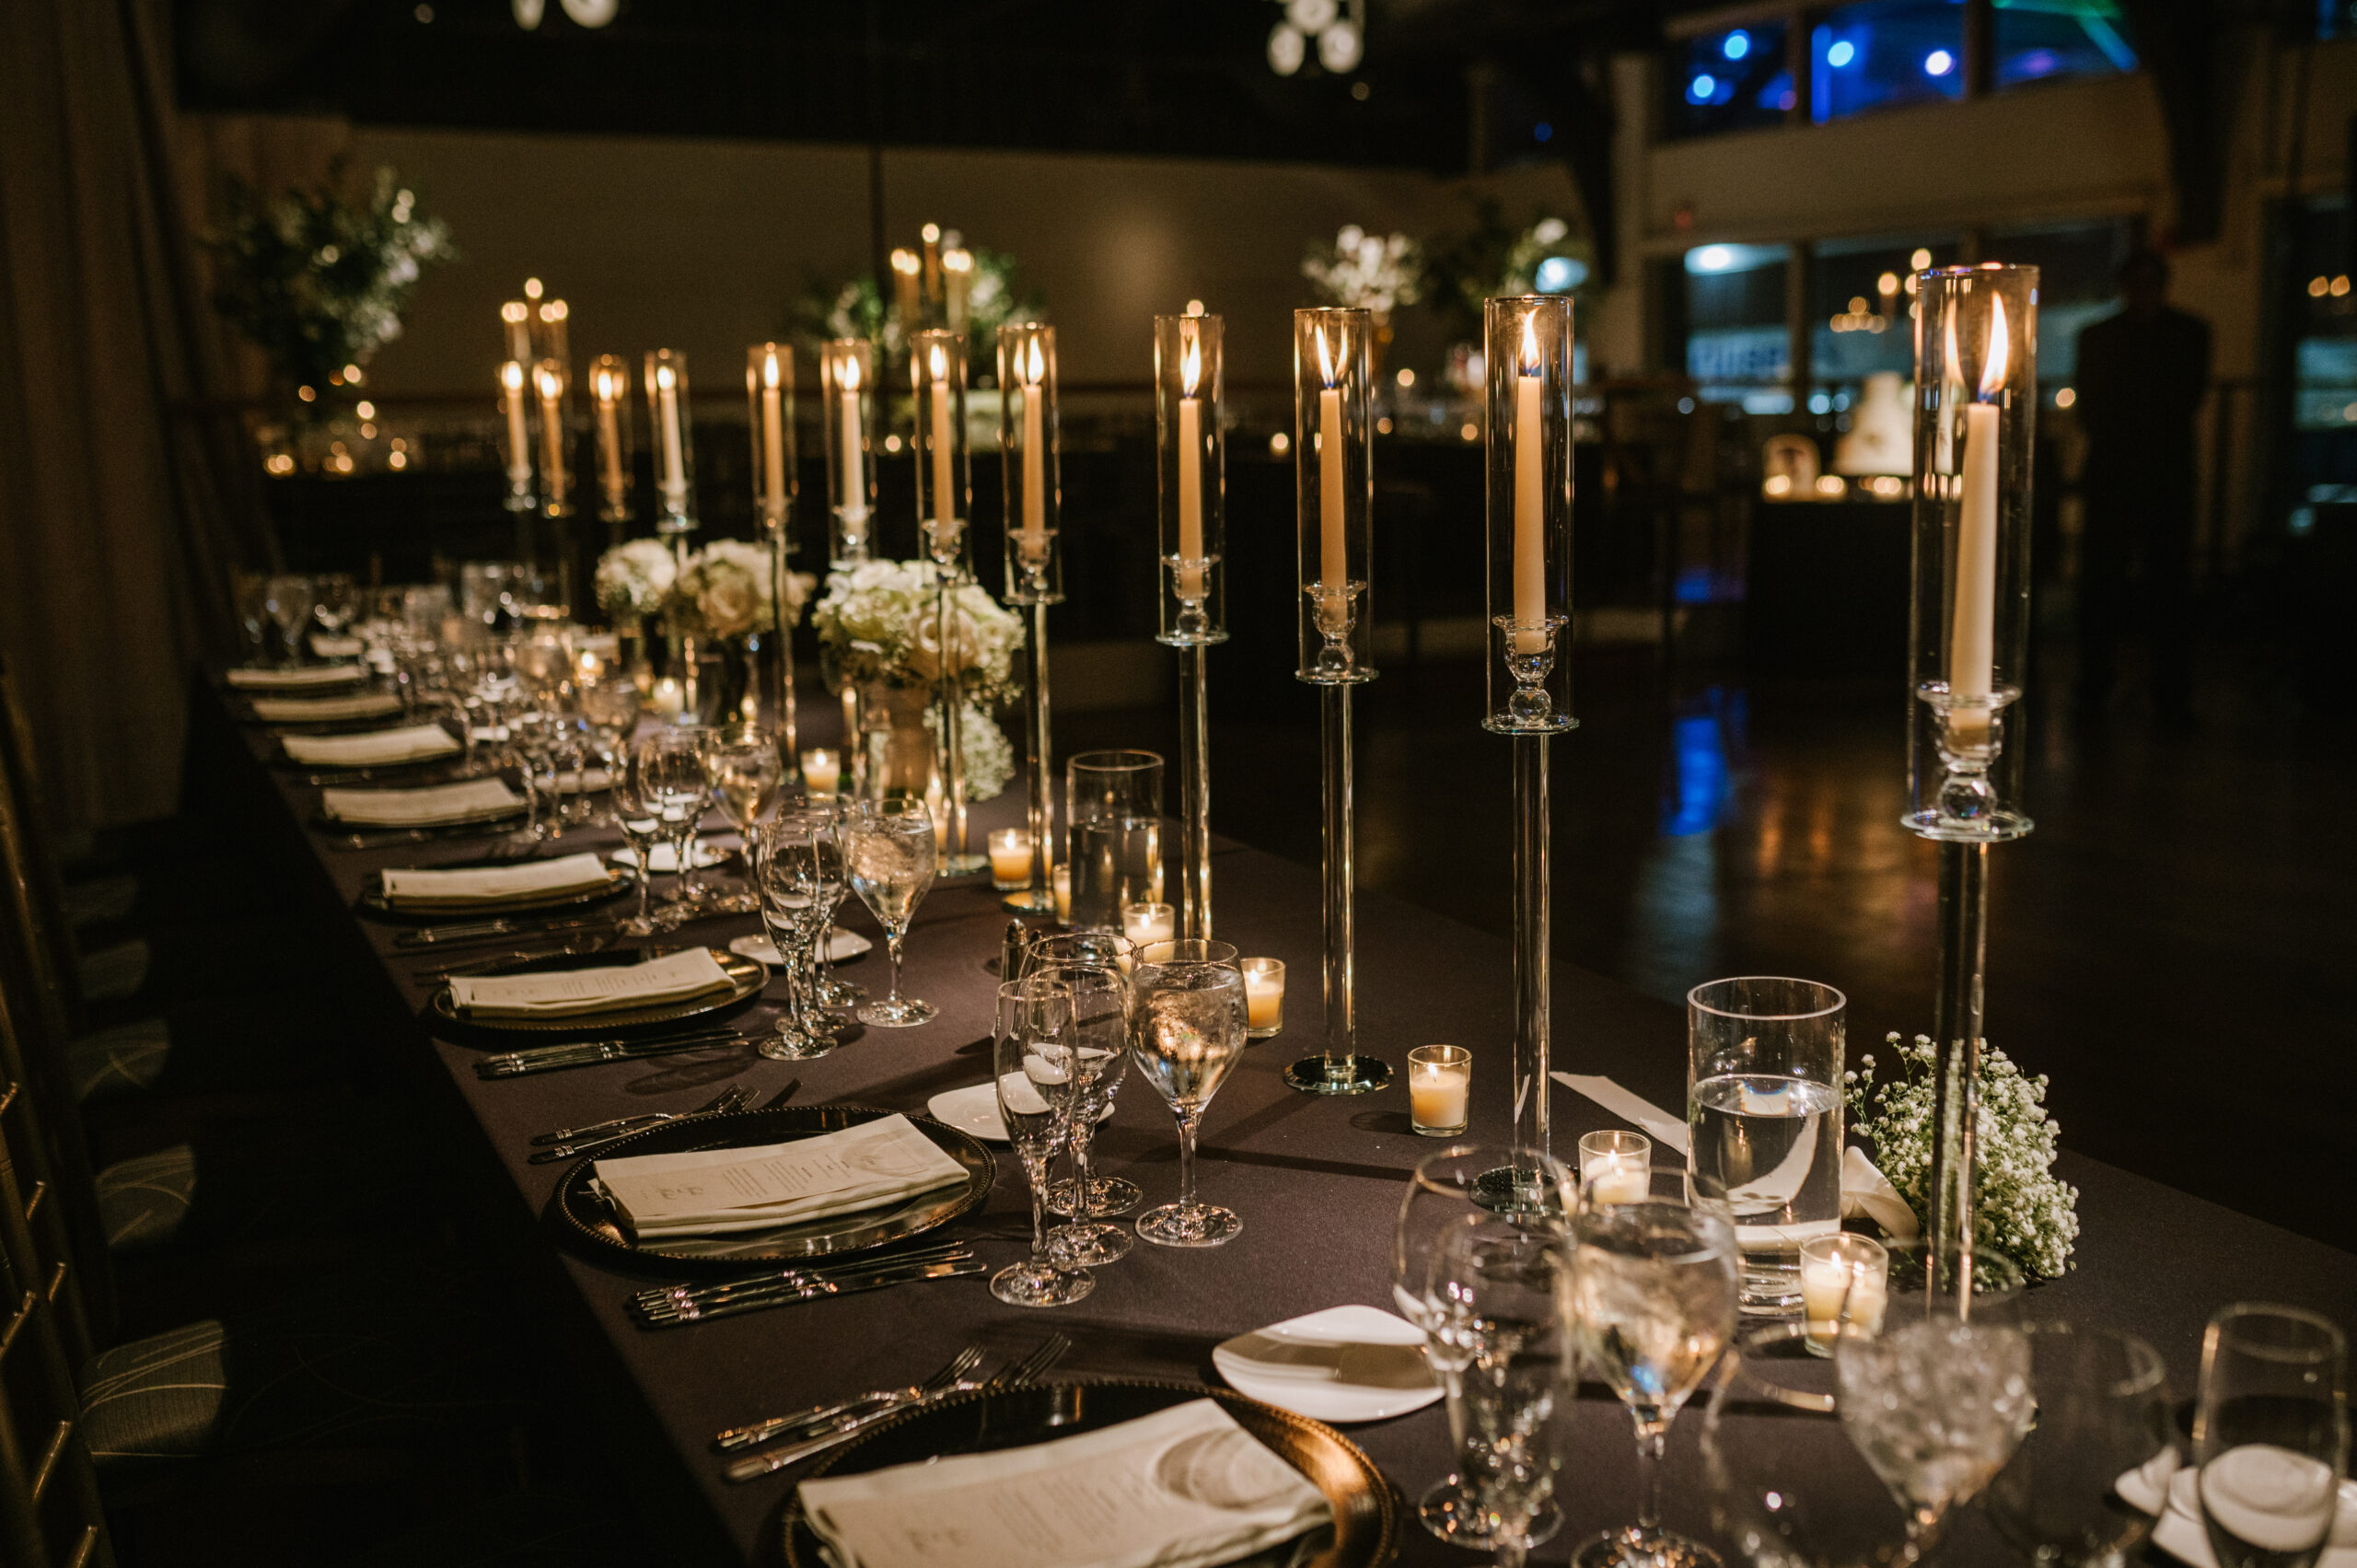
1113 819
1976 408
515 317
552 337
1527 349
1027 454
610 400
847 386
674 443
1191 477
944 478
769 420
552 405
1334 485
516 436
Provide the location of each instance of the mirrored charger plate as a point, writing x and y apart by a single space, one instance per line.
745 979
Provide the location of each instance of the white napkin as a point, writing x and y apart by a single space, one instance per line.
325 646
710 1191
2170 1489
496 884
1660 1126
323 710
562 993
470 800
296 679
415 743
1182 1488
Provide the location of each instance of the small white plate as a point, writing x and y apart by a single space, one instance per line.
2181 1532
1344 1364
974 1110
842 945
667 861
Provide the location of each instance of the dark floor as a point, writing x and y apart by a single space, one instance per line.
2173 946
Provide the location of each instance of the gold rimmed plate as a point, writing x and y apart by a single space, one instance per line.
745 979
1365 1528
582 1211
372 897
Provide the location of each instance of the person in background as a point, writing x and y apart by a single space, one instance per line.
2143 374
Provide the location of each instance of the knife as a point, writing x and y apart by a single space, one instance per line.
478 930
789 1296
548 1059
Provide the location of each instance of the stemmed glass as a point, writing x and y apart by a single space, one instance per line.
742 765
888 852
637 816
253 615
670 765
2270 1433
1448 1186
333 601
1108 1195
1033 1058
1187 1030
825 990
2103 1410
1653 1289
610 708
1100 1036
794 860
287 598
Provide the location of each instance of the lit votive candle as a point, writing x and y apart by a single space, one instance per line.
1061 881
1440 1083
1615 1167
666 701
1264 996
1010 859
935 803
1845 1284
822 770
1149 923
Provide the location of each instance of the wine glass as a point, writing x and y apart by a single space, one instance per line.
1446 1187
334 601
742 766
287 598
793 860
1100 1038
1100 949
1032 1055
252 589
2103 1410
888 851
1187 1030
2270 1433
637 816
672 764
825 990
1653 1284
609 706
1496 1291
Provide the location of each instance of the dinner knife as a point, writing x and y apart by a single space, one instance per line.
484 930
549 1058
947 1269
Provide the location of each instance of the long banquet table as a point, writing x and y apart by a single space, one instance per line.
1318 1182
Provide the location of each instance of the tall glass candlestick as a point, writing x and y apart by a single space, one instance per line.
553 403
1975 377
550 338
1527 349
906 269
515 318
516 436
1026 445
944 495
1334 487
667 408
610 392
768 411
1191 509
847 380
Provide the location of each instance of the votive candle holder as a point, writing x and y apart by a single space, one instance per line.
1440 1089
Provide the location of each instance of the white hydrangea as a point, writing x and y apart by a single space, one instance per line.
989 756
1368 272
723 590
880 621
636 578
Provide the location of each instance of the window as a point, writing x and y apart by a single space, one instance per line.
1732 79
1738 345
2045 41
2321 316
2078 283
1882 53
1859 308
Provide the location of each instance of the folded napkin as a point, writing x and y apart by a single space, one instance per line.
296 679
411 744
337 647
562 993
710 1191
471 800
494 884
323 710
1182 1488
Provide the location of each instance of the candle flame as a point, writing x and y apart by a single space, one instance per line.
905 262
511 376
1190 366
514 310
531 289
849 375
940 363
603 381
768 368
1036 370
663 377
553 310
1325 361
1531 366
958 260
549 386
1993 369
932 232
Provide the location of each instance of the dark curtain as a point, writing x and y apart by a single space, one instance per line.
118 531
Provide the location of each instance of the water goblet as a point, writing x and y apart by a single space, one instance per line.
793 859
609 706
1100 1026
2103 1410
1098 949
888 853
334 601
2270 1433
635 813
742 765
1187 1029
1653 1289
825 990
288 599
252 591
1032 1053
671 764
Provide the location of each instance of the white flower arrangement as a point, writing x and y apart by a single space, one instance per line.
636 578
1366 272
989 756
2019 1209
879 623
722 590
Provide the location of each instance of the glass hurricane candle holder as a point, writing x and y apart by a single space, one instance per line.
1027 444
515 322
551 331
1191 477
769 419
516 436
667 408
945 480
553 402
847 382
1529 356
610 396
1334 486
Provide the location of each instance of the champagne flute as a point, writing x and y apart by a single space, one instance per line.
1653 1288
1100 1035
1033 1053
888 852
2270 1433
742 765
2103 1410
1187 1030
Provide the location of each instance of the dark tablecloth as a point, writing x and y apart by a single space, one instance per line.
1317 1180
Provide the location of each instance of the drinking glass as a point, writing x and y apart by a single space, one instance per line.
1653 1289
888 852
794 859
1187 1030
1032 1055
2270 1433
1101 950
486 590
746 772
1446 1187
252 589
1113 824
287 601
334 601
1763 1092
1100 1038
1497 1297
1786 1486
2103 1410
637 816
609 706
672 764
825 989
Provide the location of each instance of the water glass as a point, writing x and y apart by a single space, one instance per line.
747 772
1100 1032
609 706
1113 823
1187 1030
2103 1410
1763 1093
1033 1056
635 813
1785 1485
671 764
796 869
287 600
2270 1433
334 601
890 855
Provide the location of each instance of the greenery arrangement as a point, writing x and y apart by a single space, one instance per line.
1366 272
2019 1209
1494 258
316 281
852 308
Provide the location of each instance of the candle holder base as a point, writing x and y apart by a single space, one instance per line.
960 864
1338 1074
1029 900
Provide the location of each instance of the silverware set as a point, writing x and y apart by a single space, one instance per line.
583 942
890 1403
589 1052
394 838
819 1419
672 1305
574 1142
465 932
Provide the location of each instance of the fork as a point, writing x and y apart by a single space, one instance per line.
587 942
731 1100
619 1124
819 1416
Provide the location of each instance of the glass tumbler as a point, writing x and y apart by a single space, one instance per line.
1113 815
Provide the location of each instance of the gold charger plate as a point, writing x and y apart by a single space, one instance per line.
746 978
372 898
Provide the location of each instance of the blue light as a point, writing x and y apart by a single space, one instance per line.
1543 131
1938 62
1700 89
1737 44
1840 54
1560 275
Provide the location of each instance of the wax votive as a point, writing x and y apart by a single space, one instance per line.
1615 1167
1440 1085
1149 923
1264 996
667 700
1010 859
822 770
1061 881
1845 1284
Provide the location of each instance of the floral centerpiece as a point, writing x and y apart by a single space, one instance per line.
853 308
636 578
1368 272
723 590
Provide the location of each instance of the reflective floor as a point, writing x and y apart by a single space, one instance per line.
2174 946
